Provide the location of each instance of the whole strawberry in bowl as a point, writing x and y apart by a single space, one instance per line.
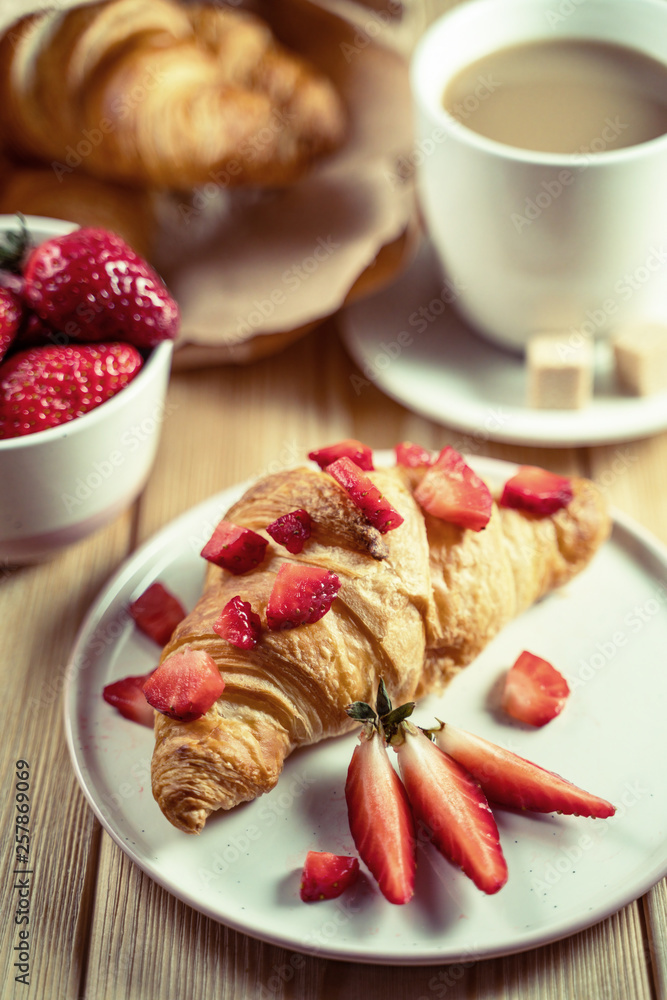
86 330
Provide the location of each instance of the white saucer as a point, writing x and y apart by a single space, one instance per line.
437 366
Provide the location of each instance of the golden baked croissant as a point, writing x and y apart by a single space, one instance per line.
415 605
159 93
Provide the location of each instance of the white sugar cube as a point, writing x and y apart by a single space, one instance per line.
640 355
560 371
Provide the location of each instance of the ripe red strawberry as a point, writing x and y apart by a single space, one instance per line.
534 691
185 685
127 696
367 497
300 595
91 285
11 314
451 491
157 613
350 448
291 530
380 818
327 876
238 624
537 491
452 807
43 387
235 549
511 780
412 456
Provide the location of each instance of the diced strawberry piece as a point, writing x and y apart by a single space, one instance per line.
238 624
357 452
511 780
327 876
451 491
537 491
127 696
380 818
534 691
453 808
367 497
412 456
157 613
185 685
235 549
300 595
291 530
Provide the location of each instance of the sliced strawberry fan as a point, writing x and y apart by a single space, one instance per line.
447 775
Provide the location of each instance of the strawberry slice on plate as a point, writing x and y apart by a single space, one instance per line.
238 624
185 685
412 456
291 530
300 595
327 876
157 613
534 692
235 549
450 804
537 491
511 780
365 495
127 696
356 451
380 818
451 491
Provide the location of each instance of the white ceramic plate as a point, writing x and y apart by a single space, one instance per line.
607 632
410 341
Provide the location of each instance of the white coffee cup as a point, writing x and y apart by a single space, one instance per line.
534 241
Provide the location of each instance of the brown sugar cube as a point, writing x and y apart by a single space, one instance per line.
560 371
640 355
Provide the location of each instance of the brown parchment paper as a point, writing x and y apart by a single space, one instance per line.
254 269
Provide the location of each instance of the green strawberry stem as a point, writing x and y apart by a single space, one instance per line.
384 718
14 246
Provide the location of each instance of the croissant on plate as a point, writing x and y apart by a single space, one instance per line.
159 93
415 606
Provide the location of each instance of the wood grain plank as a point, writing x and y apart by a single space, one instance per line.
41 608
655 911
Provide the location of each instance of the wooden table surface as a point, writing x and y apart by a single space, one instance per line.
100 928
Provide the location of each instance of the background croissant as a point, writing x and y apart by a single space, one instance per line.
164 94
415 605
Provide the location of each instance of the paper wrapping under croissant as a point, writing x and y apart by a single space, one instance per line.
415 605
253 270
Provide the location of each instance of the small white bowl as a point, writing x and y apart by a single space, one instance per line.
61 484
